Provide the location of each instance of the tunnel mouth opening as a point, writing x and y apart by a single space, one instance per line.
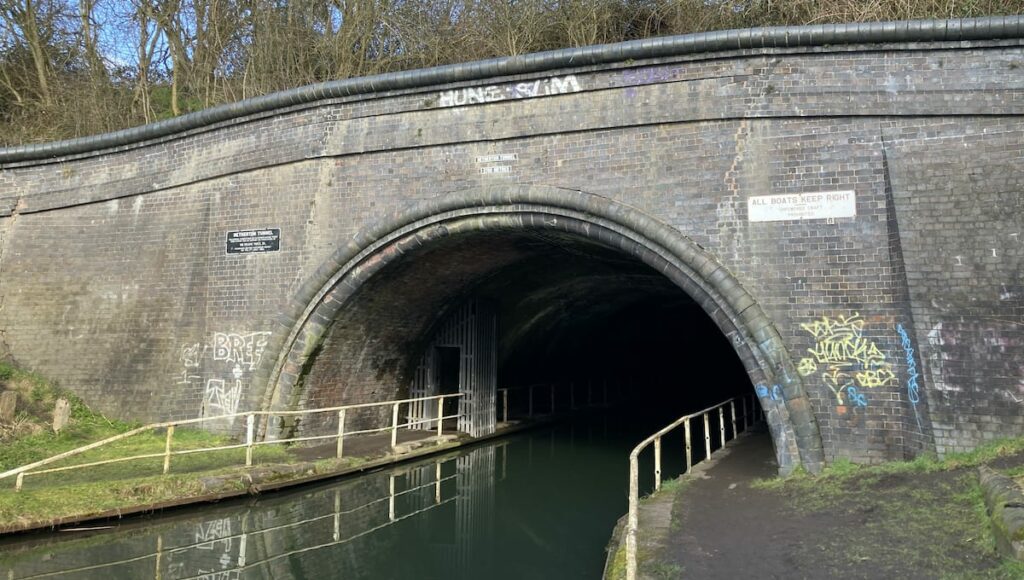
594 326
373 307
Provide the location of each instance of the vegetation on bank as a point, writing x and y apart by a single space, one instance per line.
936 504
73 68
936 508
30 438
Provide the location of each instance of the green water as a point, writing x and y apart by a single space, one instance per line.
541 504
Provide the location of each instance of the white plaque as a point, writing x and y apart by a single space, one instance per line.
802 206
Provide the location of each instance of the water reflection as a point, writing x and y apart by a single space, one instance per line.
538 505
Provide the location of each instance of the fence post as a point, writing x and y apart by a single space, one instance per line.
440 417
689 446
732 410
657 463
633 518
707 437
721 423
394 426
504 396
341 432
250 426
167 449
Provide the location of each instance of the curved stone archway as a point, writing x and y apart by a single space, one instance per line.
609 223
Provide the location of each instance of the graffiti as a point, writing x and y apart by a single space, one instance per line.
774 393
850 360
216 369
913 391
187 378
242 349
511 91
209 533
645 76
961 347
191 355
220 399
855 397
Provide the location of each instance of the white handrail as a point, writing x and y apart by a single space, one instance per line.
249 444
634 464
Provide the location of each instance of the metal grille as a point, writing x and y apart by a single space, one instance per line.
472 328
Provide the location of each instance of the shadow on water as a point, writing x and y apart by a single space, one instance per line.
541 504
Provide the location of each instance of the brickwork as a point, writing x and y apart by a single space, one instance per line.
115 281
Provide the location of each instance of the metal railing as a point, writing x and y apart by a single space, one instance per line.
750 415
250 436
435 492
543 398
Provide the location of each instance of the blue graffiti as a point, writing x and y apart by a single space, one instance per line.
856 397
775 393
913 391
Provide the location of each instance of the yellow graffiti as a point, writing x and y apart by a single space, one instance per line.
806 367
849 359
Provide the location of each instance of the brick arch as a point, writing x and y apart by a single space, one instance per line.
301 328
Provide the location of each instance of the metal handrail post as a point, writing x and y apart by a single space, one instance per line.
721 423
632 521
341 433
689 445
394 426
732 412
657 463
440 418
707 437
250 430
167 449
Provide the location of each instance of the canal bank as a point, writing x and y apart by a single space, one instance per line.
734 518
310 465
540 503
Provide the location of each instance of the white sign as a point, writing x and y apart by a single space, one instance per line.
802 206
497 158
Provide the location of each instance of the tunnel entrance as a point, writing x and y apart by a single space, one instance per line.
569 297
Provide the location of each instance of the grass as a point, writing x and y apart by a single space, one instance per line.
925 513
843 469
100 488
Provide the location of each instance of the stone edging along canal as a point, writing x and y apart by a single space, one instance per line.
264 478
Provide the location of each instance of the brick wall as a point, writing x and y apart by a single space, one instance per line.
114 278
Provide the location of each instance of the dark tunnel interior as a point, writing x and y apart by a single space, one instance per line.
568 310
575 312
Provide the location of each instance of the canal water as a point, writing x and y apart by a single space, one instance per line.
539 504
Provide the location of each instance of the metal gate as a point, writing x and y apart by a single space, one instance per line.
472 328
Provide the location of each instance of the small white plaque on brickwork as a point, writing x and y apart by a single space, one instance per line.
802 206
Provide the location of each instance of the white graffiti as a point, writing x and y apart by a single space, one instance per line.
510 91
220 398
937 338
212 531
191 355
242 349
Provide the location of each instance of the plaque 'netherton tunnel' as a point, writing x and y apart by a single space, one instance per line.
843 202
